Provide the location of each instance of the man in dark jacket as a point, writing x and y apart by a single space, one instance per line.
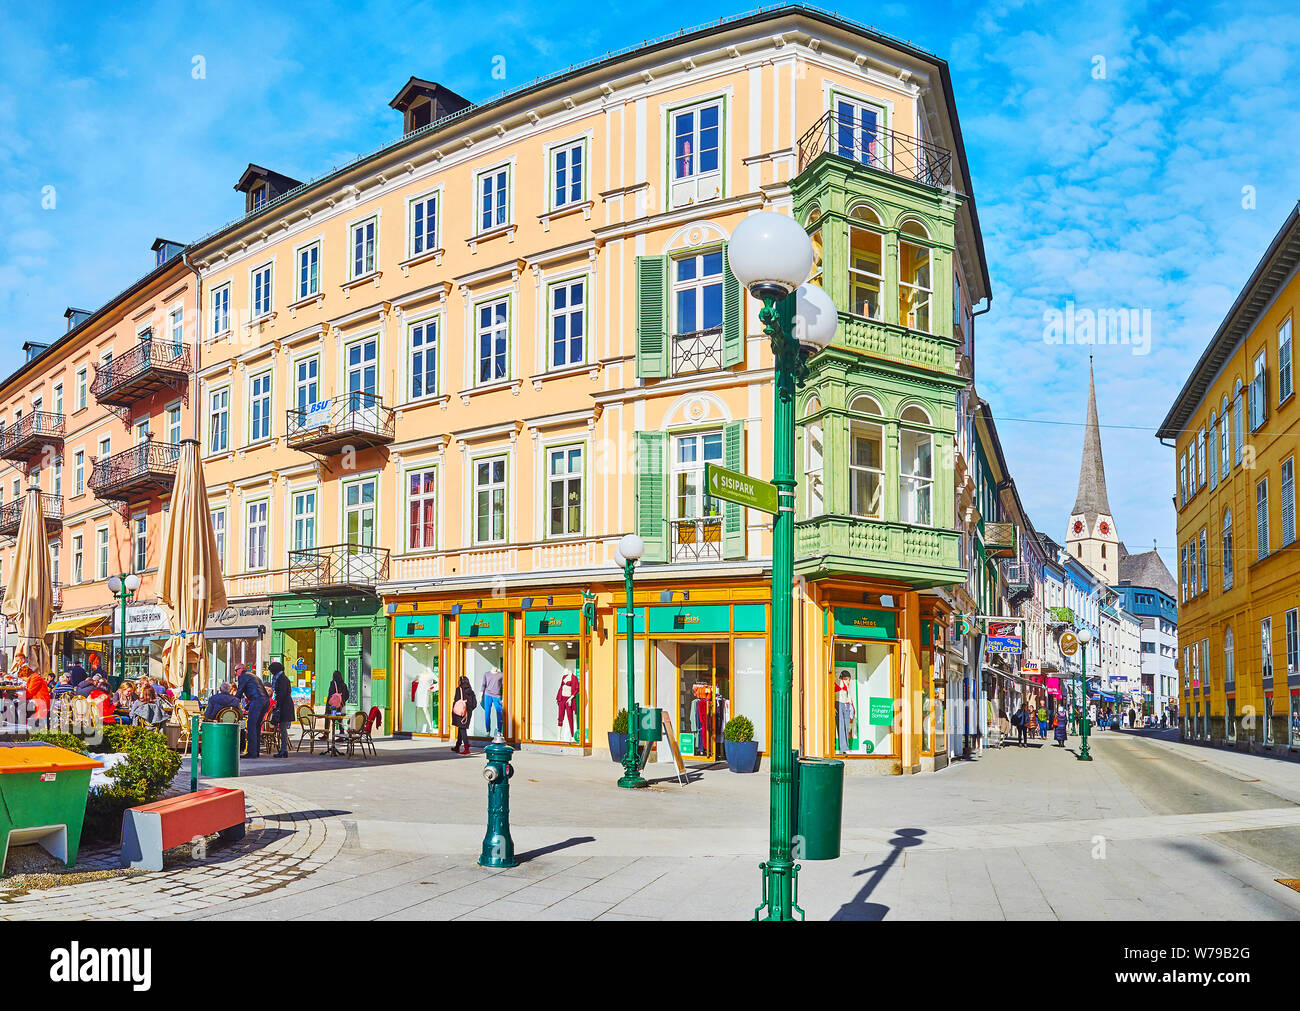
219 700
282 706
250 687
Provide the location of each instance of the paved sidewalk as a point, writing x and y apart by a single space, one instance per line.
1018 834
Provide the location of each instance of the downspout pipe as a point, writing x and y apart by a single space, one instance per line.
198 339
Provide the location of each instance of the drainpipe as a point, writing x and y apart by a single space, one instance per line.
198 338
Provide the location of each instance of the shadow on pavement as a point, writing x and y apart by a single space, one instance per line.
543 850
858 908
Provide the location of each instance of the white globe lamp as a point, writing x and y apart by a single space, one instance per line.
770 254
631 547
815 318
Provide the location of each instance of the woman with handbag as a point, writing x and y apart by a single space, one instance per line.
462 709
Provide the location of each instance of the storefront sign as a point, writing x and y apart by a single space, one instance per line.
240 614
750 618
141 619
865 623
733 486
638 620
551 622
880 712
490 625
706 618
416 626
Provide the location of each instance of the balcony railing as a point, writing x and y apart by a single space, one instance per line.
338 568
878 148
11 514
150 365
31 436
700 351
141 470
697 540
1015 575
359 420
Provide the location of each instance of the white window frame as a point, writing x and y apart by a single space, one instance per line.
213 393
1285 380
1261 523
1288 500
300 384
219 310
176 325
434 496
478 330
695 186
83 387
423 245
492 485
565 479
502 207
567 284
252 563
78 557
139 541
369 258
265 400
553 183
102 558
302 520
219 514
425 323
1226 542
310 288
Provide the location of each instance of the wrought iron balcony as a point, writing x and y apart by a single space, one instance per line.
359 420
32 436
1015 576
338 568
11 514
700 351
698 540
149 366
142 470
877 148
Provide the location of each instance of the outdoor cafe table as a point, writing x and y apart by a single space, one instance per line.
332 731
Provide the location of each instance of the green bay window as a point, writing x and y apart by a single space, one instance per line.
866 264
915 288
916 470
866 462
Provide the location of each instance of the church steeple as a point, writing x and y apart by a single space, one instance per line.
1091 537
1090 500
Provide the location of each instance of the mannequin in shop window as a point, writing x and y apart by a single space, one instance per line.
843 712
566 701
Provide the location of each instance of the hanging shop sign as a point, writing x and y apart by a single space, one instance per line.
733 486
866 623
416 626
1069 644
490 625
553 622
1003 637
316 414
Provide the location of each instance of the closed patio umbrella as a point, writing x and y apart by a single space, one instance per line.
29 597
190 584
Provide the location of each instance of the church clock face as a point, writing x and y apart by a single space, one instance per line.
1078 526
1104 528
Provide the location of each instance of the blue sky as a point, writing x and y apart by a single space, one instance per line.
1125 155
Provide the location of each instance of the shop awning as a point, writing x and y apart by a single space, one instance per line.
72 624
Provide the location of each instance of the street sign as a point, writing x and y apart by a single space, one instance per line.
1069 644
742 489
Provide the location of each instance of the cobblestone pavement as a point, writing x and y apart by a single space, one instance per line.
1153 829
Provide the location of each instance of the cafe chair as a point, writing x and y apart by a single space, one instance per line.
310 732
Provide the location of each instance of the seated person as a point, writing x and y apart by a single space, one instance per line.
148 709
94 683
124 698
102 703
222 698
63 686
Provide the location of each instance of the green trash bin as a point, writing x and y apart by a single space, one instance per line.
651 727
819 808
43 791
219 750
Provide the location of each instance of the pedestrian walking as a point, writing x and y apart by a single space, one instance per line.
1061 720
1023 718
282 706
1132 717
462 711
1042 722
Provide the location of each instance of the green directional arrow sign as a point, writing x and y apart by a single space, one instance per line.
742 489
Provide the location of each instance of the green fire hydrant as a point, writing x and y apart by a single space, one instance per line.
498 847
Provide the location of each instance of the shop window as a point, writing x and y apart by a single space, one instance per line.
1231 720
863 688
1268 719
480 660
419 687
555 711
750 687
1295 718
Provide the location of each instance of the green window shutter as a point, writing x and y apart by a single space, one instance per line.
651 316
733 516
652 494
733 315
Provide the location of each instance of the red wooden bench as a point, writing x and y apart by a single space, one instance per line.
150 829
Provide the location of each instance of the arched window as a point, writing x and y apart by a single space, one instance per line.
915 469
914 282
1236 423
866 262
1225 437
866 460
813 457
815 236
1227 549
1229 669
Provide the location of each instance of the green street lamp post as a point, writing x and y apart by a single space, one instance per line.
1085 637
630 550
771 255
123 587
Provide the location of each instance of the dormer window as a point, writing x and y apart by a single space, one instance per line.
420 114
257 197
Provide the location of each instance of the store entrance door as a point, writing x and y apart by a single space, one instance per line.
356 668
704 694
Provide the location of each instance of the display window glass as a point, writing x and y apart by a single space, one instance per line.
556 700
224 655
1268 719
419 685
862 687
1232 719
1294 734
751 694
483 660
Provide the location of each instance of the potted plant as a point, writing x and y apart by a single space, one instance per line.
741 748
618 737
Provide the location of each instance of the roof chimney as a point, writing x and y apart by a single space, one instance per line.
424 102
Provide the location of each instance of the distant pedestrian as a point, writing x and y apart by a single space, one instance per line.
1062 718
462 711
1042 722
1023 718
281 706
1132 717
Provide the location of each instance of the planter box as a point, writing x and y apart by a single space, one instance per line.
742 756
617 746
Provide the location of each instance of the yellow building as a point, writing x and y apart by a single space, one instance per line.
1234 426
434 387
